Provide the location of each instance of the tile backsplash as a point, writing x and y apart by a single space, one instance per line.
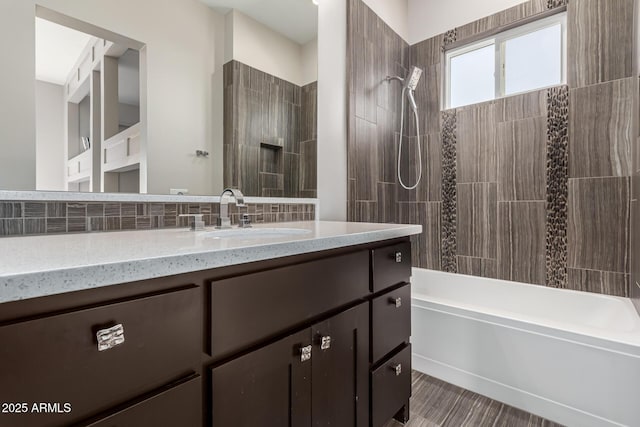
51 217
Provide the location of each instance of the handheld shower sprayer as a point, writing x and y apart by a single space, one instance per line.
409 86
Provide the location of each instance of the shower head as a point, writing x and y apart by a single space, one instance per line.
411 82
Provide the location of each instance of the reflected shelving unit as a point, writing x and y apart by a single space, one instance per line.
105 148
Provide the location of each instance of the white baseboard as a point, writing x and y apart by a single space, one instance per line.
521 399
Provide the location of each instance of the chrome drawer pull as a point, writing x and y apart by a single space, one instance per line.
111 337
398 257
397 369
396 301
305 353
325 344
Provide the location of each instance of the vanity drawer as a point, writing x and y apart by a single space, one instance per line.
391 321
391 265
248 309
162 342
177 406
391 387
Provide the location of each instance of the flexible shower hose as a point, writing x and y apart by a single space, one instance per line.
415 112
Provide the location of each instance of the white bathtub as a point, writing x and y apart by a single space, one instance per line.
571 357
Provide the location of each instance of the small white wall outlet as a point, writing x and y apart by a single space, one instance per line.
178 191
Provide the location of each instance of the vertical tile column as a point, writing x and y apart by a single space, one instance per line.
557 186
521 147
449 193
374 52
600 45
423 205
476 190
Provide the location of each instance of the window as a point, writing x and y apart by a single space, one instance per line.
530 57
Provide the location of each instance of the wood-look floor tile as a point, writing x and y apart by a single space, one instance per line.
435 403
600 41
522 159
477 220
598 224
600 125
521 242
601 282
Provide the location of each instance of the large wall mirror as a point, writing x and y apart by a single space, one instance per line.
173 97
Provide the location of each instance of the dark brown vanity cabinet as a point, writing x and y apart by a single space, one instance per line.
313 340
390 354
147 343
316 377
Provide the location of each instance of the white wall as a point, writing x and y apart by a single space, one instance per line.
17 102
332 114
428 18
258 46
50 163
180 38
309 62
395 13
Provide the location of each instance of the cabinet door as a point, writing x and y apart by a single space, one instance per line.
267 387
340 387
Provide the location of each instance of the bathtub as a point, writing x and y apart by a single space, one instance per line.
571 357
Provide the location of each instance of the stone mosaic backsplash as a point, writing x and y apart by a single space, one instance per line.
40 217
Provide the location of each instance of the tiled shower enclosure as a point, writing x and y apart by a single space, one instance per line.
533 188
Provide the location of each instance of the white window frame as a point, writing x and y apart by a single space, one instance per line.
499 41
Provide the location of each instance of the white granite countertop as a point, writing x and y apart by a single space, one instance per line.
38 266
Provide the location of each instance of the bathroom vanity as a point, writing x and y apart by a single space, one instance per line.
181 328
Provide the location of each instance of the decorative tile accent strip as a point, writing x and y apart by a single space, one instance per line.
552 4
449 192
449 37
17 218
557 185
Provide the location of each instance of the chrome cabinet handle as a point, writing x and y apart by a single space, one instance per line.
398 257
396 301
397 369
110 337
305 353
325 343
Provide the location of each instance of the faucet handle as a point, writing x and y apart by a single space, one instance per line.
198 222
245 221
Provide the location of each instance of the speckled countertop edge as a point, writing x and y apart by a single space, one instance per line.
34 284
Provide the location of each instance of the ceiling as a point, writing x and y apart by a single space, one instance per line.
295 19
57 50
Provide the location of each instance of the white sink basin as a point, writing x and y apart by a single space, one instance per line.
256 232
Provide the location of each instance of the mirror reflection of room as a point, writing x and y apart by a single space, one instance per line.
270 92
206 94
88 127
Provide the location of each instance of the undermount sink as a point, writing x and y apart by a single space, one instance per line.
257 232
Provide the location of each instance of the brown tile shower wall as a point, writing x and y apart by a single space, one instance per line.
269 134
634 284
376 52
28 218
533 188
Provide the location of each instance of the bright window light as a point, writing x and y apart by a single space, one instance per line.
526 58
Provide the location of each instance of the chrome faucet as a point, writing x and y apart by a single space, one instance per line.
224 221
